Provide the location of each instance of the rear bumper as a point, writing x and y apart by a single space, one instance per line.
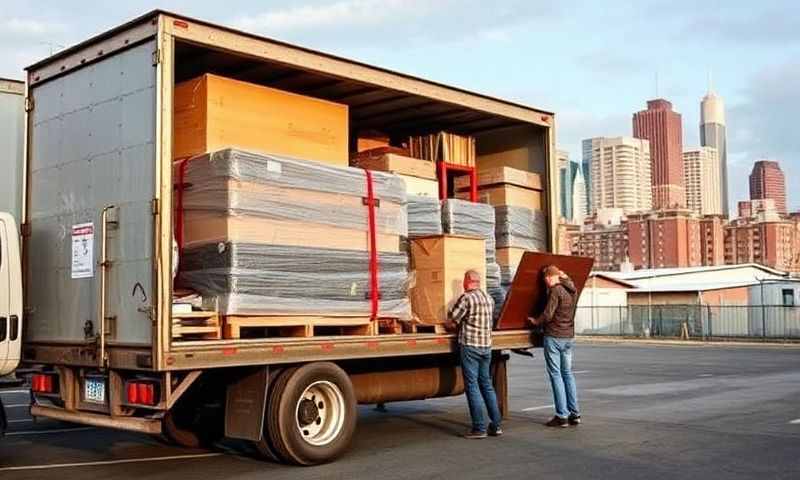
141 425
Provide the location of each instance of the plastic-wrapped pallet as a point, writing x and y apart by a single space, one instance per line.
270 235
274 279
461 217
520 227
424 216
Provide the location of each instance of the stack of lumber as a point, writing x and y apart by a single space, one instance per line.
461 217
418 175
273 236
444 147
439 263
213 112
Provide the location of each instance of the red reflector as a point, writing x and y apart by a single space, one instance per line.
145 393
42 383
133 393
180 23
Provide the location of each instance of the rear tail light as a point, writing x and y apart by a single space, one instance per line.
44 383
142 392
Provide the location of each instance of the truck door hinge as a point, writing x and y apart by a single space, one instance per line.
157 57
156 206
28 104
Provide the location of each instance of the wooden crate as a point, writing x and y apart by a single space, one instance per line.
502 175
439 263
510 257
508 195
196 326
399 164
299 326
213 112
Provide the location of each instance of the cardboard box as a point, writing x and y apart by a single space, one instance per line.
507 195
398 164
421 187
510 256
502 175
439 263
212 113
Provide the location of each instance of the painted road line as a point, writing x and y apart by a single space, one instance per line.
43 432
796 421
542 407
705 375
111 462
18 405
2 392
581 371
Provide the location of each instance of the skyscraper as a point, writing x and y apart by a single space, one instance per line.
767 181
703 181
662 128
712 134
620 173
586 169
564 184
579 204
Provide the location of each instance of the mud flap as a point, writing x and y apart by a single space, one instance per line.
245 402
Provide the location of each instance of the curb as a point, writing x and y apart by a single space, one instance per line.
685 343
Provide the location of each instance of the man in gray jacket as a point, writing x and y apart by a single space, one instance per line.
558 320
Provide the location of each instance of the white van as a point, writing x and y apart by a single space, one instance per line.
10 301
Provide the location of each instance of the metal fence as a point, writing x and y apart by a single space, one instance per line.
697 322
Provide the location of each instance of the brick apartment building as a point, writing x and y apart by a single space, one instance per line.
712 240
664 238
607 244
760 235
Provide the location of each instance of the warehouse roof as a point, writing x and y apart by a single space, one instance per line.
657 287
671 272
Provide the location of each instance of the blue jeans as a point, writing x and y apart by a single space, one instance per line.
475 363
558 357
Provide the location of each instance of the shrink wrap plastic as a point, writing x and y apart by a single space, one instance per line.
520 227
424 216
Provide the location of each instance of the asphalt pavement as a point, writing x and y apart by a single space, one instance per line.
649 412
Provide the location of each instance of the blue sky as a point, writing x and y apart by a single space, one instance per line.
593 63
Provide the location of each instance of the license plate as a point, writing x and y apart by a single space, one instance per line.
94 390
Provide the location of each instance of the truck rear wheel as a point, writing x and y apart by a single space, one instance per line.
311 415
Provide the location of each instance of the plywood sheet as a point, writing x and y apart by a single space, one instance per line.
213 112
439 263
528 293
421 187
510 195
399 164
202 228
502 175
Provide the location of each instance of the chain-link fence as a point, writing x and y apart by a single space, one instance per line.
697 322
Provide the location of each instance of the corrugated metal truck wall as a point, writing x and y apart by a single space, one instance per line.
92 145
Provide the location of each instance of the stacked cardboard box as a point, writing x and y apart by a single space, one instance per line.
419 175
270 235
439 263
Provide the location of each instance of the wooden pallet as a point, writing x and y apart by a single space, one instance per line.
298 326
196 326
413 327
389 326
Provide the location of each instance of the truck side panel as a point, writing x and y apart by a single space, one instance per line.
92 144
12 115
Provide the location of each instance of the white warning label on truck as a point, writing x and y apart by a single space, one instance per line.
83 250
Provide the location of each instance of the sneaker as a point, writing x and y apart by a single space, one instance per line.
574 420
495 432
557 422
473 435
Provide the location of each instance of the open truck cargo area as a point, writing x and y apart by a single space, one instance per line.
100 225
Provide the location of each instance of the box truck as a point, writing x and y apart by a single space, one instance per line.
98 242
12 95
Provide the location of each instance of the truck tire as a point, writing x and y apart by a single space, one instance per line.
311 415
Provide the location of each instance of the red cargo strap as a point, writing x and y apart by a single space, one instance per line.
373 248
